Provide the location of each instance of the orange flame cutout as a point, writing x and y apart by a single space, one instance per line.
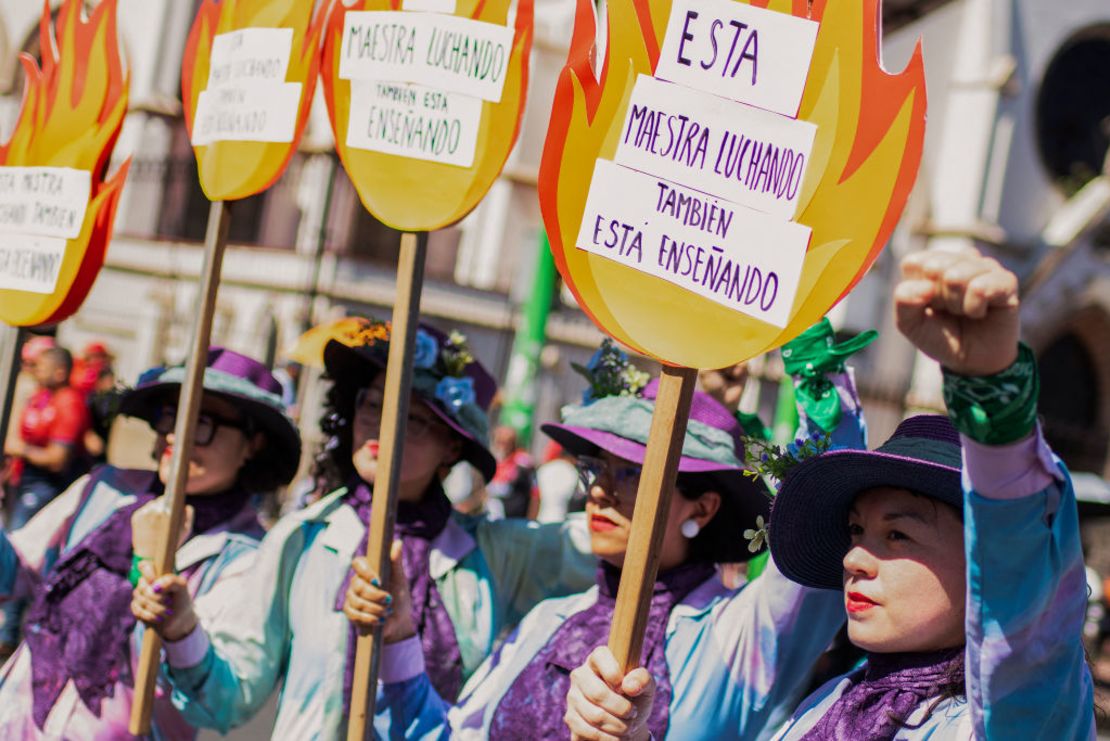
870 133
71 116
230 170
417 195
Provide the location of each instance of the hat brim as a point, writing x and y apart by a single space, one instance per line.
808 530
346 364
587 441
283 439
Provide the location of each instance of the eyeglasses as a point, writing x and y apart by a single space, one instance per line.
207 425
625 479
368 404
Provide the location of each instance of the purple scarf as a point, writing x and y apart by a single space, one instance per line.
80 621
418 524
891 688
536 702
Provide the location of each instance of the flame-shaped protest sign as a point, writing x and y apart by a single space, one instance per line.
732 174
426 106
247 81
56 204
741 164
425 98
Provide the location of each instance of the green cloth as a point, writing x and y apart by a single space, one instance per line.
753 426
808 358
998 409
758 565
630 418
134 575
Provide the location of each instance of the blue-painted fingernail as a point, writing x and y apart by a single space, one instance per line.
375 582
389 599
389 612
169 611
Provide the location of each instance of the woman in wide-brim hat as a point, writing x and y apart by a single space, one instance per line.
729 662
292 620
72 676
954 546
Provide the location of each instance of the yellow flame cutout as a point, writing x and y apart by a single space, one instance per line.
230 170
417 195
72 112
870 132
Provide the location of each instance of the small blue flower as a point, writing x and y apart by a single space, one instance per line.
596 358
455 393
427 350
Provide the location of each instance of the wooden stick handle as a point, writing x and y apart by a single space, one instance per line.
649 519
395 412
9 371
188 406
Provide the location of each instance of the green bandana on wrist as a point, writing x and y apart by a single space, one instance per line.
809 358
998 409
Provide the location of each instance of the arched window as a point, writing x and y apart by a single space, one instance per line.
1071 404
1073 109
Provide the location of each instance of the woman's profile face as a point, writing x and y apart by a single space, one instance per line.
611 485
905 573
429 443
220 449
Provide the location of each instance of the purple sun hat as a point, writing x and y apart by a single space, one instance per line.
809 517
620 425
450 382
242 380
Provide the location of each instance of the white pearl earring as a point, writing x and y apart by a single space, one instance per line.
690 529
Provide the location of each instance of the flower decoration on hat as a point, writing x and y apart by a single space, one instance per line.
426 351
773 462
455 354
757 536
610 373
456 393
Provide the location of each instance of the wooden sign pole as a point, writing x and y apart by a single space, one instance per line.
395 412
9 373
188 407
653 502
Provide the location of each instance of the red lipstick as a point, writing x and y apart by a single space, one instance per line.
856 602
601 524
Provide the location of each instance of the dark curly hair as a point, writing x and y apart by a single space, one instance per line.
332 467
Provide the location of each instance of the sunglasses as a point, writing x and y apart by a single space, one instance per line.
368 405
624 479
207 425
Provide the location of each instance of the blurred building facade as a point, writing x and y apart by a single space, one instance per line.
1019 95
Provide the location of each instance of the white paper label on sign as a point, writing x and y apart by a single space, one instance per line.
431 6
250 55
29 263
734 256
44 201
736 152
445 51
738 51
414 121
256 113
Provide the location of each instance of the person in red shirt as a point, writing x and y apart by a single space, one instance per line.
49 453
51 430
